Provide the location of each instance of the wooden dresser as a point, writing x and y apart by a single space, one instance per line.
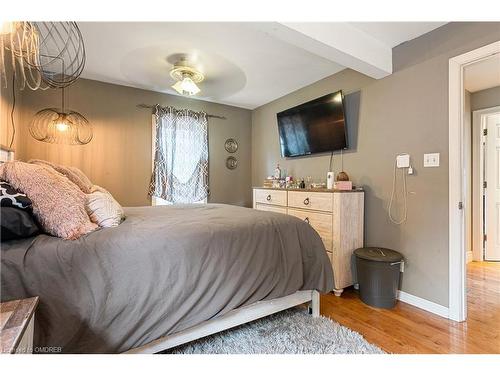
337 216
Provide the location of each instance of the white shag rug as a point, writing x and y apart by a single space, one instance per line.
292 331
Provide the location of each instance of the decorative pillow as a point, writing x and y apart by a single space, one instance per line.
16 223
85 183
58 204
74 174
103 209
10 197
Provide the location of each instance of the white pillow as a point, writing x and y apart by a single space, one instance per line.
103 209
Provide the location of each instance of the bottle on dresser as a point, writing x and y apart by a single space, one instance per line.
277 172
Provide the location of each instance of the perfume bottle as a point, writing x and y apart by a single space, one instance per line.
277 172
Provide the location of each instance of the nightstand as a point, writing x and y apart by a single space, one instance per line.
16 325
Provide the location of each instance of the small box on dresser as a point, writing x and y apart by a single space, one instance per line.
337 216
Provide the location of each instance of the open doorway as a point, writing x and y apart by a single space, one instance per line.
481 122
485 182
461 171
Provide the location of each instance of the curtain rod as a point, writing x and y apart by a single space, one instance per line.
153 106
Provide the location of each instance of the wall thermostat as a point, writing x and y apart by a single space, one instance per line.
403 161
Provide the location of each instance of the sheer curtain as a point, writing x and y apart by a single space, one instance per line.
180 165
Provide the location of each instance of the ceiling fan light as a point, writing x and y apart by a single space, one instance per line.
186 87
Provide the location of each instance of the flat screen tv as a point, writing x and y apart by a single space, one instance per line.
313 127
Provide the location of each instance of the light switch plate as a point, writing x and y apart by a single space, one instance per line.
431 160
403 161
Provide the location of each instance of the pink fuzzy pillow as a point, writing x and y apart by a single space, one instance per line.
74 174
58 204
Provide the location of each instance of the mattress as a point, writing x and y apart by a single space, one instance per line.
164 269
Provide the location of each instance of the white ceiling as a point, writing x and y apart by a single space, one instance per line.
483 75
395 33
245 64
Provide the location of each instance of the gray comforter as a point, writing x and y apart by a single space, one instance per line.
164 269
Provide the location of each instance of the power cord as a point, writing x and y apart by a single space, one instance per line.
405 209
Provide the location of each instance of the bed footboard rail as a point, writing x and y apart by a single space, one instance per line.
232 319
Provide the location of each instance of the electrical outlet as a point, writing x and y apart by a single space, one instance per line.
431 160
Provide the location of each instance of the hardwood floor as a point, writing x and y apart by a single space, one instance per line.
407 329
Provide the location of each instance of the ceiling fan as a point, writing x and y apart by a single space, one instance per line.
187 78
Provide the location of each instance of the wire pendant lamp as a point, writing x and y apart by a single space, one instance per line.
61 126
39 50
46 55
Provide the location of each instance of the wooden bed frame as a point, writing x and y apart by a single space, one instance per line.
232 319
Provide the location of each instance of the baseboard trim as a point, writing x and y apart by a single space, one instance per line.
424 304
470 257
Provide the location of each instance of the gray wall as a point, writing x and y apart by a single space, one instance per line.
119 156
485 98
404 112
450 40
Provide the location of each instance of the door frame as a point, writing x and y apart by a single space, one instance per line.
478 177
457 171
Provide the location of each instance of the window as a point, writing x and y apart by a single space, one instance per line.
180 161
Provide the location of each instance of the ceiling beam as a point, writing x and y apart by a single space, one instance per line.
339 42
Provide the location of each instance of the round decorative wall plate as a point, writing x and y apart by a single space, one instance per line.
231 162
231 145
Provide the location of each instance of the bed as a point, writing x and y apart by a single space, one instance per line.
165 276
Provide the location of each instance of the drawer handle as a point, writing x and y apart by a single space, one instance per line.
269 197
307 220
306 201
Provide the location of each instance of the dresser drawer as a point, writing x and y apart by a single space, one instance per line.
311 200
269 196
268 207
322 223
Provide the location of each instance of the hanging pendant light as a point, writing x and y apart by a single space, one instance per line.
46 55
38 50
61 126
70 128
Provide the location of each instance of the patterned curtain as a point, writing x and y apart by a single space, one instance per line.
180 169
